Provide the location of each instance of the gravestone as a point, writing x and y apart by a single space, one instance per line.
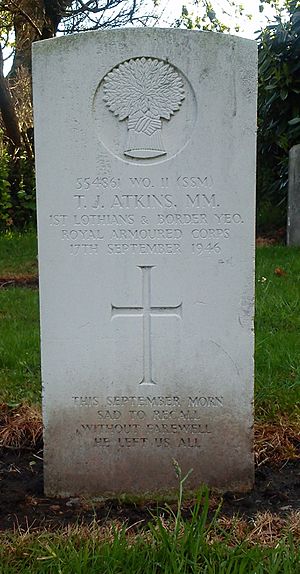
145 150
293 223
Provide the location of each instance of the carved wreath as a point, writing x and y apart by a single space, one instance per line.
144 90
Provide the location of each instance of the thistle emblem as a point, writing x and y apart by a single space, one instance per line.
145 91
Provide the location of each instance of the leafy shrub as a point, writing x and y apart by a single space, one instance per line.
278 107
5 201
24 205
17 190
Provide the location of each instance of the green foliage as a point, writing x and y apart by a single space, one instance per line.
17 190
6 25
278 104
203 19
24 207
209 15
5 200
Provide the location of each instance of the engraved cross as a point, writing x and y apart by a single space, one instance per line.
147 311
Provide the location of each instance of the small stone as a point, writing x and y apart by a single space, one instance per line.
73 502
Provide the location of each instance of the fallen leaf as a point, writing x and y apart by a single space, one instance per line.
279 271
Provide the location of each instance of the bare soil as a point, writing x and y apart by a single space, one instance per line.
23 504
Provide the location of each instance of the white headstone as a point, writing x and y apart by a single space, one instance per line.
145 148
293 222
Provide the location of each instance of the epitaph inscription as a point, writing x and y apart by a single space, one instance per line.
144 91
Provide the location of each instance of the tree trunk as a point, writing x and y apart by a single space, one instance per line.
34 20
29 21
8 112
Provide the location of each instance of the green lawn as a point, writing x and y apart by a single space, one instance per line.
277 332
18 253
19 346
277 328
84 554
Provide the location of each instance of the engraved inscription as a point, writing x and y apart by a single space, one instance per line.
175 218
160 421
144 90
201 401
146 311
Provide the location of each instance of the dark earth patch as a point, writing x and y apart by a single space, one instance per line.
23 504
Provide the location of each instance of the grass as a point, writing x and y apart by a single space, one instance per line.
277 364
203 543
79 554
20 378
18 253
169 544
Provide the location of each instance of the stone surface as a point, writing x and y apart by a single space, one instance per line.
293 224
145 146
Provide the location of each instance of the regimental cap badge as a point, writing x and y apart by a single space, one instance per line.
144 90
